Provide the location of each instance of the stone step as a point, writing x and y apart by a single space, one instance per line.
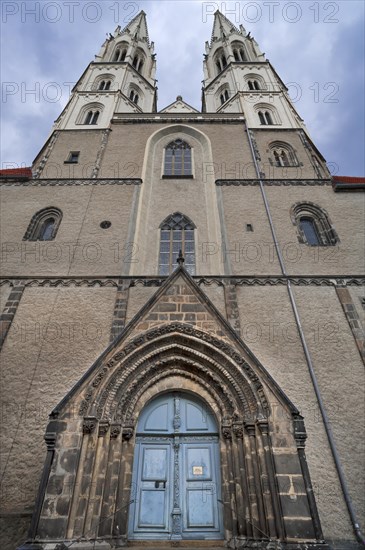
184 544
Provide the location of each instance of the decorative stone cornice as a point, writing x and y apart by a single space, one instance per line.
167 118
71 182
114 281
278 182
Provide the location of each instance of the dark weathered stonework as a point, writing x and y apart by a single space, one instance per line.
96 475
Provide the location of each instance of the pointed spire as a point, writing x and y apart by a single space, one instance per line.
222 27
138 27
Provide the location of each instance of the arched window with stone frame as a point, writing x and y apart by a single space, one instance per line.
220 60
283 154
239 53
178 160
133 96
267 114
222 95
120 53
44 225
138 61
90 114
92 117
176 234
253 85
104 85
103 82
314 227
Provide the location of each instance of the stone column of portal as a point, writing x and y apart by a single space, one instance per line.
125 489
244 512
227 435
93 518
257 510
240 488
273 512
80 498
176 512
113 467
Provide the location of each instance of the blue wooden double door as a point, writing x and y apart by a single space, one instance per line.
176 481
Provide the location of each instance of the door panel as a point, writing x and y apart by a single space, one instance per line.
151 509
200 509
155 464
198 463
201 481
176 472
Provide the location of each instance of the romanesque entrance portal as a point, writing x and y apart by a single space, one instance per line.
176 474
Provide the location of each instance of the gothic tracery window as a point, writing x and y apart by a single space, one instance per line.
283 154
313 225
177 234
120 55
239 54
92 117
178 159
44 225
265 117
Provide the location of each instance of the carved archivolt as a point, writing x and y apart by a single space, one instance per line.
174 349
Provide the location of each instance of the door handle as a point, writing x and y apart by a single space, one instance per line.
160 484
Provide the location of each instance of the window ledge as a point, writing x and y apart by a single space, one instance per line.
70 162
187 177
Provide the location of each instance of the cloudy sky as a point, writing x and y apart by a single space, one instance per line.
317 47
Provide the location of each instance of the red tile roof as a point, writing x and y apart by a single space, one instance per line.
348 183
16 172
348 179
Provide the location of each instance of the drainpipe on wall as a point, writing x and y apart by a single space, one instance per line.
350 508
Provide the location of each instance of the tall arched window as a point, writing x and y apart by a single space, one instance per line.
309 229
265 117
313 225
224 96
253 85
104 85
220 61
178 159
44 225
120 55
92 117
138 61
239 54
133 96
177 233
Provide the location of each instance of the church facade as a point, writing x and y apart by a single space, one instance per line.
182 322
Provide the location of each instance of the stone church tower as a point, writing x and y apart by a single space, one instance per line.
182 296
